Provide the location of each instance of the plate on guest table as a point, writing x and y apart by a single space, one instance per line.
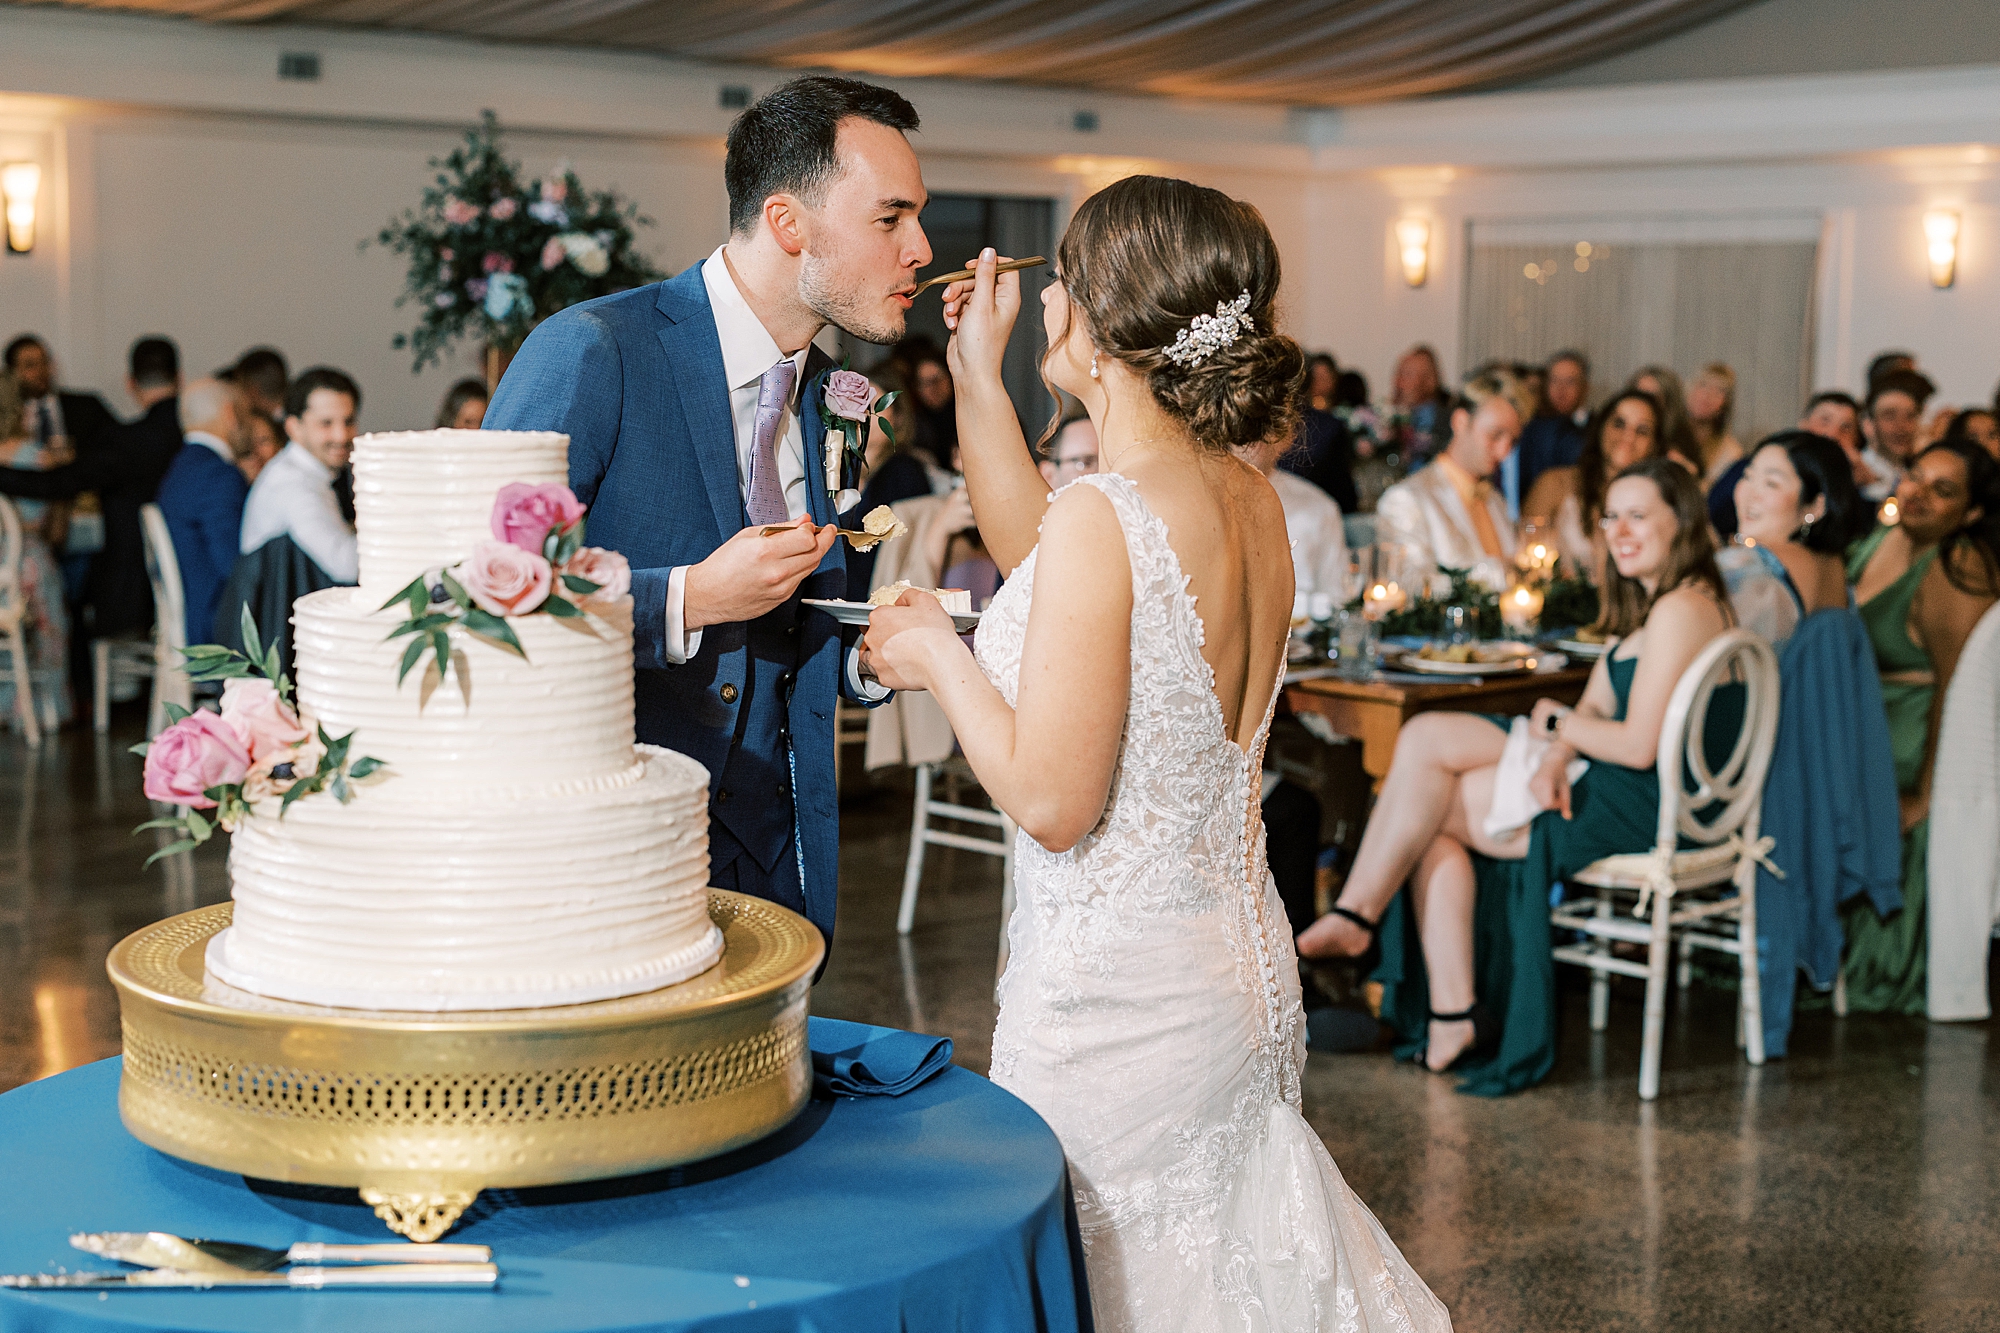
856 613
1498 658
1582 648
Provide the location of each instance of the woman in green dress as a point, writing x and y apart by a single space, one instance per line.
1480 954
1920 585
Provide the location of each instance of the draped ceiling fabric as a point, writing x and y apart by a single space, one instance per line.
1302 52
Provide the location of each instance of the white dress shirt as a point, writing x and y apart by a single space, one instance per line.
1318 537
294 496
748 350
33 409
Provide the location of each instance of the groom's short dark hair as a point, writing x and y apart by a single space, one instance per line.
785 142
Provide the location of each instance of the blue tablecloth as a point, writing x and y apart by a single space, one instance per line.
944 1209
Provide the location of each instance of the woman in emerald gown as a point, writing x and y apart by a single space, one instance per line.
1468 978
1920 585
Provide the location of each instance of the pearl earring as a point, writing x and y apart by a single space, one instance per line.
1093 365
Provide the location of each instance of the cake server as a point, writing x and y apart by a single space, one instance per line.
380 1275
160 1249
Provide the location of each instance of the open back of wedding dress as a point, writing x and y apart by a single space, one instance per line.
1150 1012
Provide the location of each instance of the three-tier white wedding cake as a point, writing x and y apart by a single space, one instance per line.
518 849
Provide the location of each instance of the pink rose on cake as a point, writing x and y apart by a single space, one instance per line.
607 569
196 753
523 514
505 579
848 395
262 719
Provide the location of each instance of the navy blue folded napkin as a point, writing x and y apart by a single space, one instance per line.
857 1060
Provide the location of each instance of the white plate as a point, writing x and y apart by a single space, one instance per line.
1524 662
1583 648
856 613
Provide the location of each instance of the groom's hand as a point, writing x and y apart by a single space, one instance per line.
750 573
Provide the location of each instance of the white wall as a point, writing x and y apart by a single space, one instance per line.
189 192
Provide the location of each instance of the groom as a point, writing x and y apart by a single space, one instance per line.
693 411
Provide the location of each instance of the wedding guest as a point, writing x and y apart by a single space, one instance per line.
1417 396
464 407
1322 375
1798 513
1449 515
1072 454
1676 430
81 419
1711 401
1889 363
1571 499
1893 420
1975 425
1491 997
261 443
1554 438
125 473
1920 586
262 375
937 413
1322 454
293 497
1312 524
44 618
202 497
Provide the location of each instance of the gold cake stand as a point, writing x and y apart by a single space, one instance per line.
422 1111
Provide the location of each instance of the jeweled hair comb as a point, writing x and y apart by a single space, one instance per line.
1209 334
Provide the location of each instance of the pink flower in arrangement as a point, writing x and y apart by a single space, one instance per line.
553 254
848 394
503 208
555 190
495 262
524 514
198 752
475 288
265 722
607 569
447 254
458 213
505 579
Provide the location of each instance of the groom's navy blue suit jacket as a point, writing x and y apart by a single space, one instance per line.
636 381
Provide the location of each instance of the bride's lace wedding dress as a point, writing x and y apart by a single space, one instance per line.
1150 1012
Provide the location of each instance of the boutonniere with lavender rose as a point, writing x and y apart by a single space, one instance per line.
258 747
847 403
537 562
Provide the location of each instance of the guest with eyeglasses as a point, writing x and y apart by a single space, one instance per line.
1624 431
1072 454
1920 585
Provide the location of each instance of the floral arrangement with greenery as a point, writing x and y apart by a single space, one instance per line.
492 255
259 746
537 556
1423 615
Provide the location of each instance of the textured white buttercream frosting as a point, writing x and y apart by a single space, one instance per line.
423 497
518 851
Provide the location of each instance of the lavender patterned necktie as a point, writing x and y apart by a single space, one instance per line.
767 493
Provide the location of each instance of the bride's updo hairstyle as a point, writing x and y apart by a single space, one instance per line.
1141 260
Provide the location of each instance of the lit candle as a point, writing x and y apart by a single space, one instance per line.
1891 512
1382 599
1520 608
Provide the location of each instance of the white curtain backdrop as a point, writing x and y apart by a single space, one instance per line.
1305 52
1680 292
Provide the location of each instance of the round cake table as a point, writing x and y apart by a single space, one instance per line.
945 1208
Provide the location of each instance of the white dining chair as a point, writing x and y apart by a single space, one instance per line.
1705 895
158 658
956 773
13 618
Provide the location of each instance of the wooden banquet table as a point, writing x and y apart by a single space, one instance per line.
1373 709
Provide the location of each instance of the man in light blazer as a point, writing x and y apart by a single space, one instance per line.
1450 514
693 411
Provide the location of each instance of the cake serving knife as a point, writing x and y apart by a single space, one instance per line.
160 1249
301 1278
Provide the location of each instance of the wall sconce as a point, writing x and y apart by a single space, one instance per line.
1413 240
1941 240
19 184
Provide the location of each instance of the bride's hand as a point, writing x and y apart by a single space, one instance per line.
905 641
981 312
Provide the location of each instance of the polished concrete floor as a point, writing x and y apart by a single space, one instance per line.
1853 1187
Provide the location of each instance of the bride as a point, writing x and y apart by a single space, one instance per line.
1117 709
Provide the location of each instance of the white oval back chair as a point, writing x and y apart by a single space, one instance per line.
1725 850
158 657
